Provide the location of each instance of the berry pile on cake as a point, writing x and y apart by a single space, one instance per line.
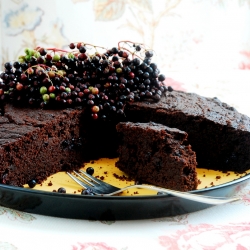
60 108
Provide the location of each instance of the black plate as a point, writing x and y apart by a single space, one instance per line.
110 208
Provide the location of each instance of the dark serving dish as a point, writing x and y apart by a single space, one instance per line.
110 208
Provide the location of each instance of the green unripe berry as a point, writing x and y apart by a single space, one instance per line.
28 51
71 56
56 58
21 59
46 97
27 57
119 70
68 90
32 52
52 96
37 54
43 90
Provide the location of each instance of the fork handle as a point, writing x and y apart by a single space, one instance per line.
185 195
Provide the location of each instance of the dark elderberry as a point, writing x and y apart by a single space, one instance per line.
137 47
16 65
149 53
87 191
82 49
32 183
8 65
90 170
114 50
170 89
161 78
136 61
61 190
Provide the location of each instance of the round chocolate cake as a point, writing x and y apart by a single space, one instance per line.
61 108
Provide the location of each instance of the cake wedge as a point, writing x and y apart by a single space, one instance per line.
156 154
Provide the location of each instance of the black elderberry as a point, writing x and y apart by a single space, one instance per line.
149 53
161 78
61 190
16 65
170 89
90 170
115 59
32 183
137 47
87 191
114 50
8 65
145 74
136 61
82 49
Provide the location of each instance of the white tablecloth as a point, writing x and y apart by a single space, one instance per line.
220 227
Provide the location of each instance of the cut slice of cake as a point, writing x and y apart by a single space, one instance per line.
36 143
156 154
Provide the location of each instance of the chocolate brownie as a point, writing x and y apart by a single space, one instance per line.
218 133
156 154
36 143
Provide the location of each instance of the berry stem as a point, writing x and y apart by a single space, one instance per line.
128 42
58 50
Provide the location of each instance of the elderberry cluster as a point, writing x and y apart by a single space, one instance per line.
100 82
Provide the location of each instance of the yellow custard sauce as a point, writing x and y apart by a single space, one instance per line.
105 169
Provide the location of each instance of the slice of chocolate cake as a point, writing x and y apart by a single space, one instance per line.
219 134
36 143
157 154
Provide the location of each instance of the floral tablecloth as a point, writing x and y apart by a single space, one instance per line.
220 227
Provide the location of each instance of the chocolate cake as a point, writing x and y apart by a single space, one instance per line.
218 133
156 154
50 133
36 143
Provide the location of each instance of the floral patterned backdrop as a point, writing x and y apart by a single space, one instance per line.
186 35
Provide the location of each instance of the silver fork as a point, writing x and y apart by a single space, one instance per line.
104 189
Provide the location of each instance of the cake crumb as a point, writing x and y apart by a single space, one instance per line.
204 175
102 178
217 177
199 181
50 183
